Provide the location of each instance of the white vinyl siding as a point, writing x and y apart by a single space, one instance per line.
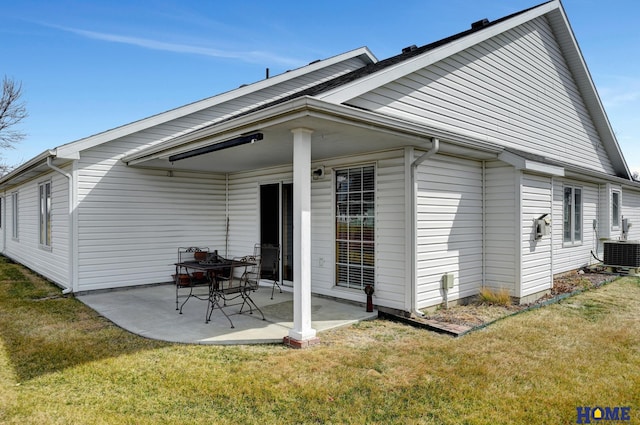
449 228
536 253
570 257
631 211
53 262
500 227
132 221
514 89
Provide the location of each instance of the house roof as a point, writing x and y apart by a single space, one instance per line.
341 89
71 150
375 67
434 52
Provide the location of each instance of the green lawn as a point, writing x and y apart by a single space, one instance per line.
60 363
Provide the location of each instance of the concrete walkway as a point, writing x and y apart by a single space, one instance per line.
150 311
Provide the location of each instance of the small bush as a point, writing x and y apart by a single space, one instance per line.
492 297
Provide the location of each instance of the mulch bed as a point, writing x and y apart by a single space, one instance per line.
477 314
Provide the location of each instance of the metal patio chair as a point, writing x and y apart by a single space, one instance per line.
270 264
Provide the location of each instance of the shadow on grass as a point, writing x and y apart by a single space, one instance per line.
44 332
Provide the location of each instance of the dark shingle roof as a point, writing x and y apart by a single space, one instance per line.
372 68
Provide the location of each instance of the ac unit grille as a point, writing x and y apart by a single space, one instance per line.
623 254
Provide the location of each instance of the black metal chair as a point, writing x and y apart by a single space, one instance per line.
270 264
187 279
238 283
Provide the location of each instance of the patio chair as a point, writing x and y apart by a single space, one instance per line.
252 273
237 285
270 261
187 279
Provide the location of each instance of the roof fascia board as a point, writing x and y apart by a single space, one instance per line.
598 177
358 87
32 163
70 150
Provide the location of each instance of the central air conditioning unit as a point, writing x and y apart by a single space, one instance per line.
622 254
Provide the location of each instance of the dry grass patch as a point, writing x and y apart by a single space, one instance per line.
491 305
535 367
490 296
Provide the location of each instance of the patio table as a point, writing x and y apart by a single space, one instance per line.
216 291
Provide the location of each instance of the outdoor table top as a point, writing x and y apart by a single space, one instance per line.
212 266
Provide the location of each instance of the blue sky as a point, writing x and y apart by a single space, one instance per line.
88 66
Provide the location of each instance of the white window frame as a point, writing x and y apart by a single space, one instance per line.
616 209
44 214
345 266
14 216
570 212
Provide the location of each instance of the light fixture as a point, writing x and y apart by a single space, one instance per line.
241 140
318 173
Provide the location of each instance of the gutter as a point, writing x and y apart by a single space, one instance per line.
435 147
32 163
69 177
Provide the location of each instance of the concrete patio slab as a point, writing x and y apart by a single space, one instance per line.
150 311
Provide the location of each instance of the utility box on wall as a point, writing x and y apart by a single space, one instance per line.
542 226
447 281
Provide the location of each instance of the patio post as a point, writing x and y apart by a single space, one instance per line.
302 333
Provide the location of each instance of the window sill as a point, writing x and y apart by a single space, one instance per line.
571 244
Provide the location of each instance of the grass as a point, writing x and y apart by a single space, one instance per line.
491 296
61 363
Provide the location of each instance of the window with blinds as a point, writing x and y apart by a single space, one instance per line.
355 227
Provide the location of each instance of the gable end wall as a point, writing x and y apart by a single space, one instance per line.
514 89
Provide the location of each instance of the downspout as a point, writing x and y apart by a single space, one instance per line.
3 228
69 177
226 214
484 223
435 147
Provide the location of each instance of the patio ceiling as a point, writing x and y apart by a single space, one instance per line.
276 148
337 131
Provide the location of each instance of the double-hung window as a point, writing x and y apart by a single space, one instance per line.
355 226
45 214
572 224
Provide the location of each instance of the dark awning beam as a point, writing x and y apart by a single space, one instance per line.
241 140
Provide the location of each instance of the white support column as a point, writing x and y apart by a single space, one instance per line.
302 333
